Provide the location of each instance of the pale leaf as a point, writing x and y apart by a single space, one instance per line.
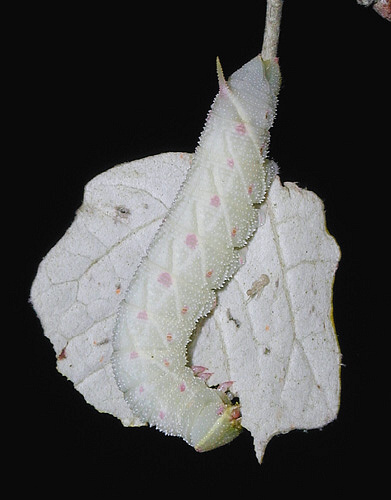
279 345
276 343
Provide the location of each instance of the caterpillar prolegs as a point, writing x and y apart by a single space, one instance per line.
192 255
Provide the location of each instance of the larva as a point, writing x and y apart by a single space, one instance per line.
193 254
258 286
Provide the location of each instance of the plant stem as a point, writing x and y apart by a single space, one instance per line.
272 29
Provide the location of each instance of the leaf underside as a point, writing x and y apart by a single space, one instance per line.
271 333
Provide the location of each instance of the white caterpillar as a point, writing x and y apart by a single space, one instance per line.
194 252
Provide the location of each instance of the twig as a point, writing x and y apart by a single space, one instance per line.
272 29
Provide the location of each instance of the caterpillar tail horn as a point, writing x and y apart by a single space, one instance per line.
220 74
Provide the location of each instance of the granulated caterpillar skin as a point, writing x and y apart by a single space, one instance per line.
194 253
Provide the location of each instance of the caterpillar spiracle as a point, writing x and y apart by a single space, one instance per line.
195 251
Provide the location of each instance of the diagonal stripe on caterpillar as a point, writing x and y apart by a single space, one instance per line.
193 254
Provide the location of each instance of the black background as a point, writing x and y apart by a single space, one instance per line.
94 87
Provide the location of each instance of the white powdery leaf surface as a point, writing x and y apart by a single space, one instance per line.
277 344
273 325
81 281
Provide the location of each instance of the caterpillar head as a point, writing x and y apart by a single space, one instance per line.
211 431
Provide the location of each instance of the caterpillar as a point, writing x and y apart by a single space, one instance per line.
195 251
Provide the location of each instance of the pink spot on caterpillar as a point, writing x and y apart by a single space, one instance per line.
141 389
230 162
169 337
240 128
133 355
233 232
209 273
182 387
142 315
161 415
215 201
250 189
220 410
184 309
165 279
166 362
191 241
